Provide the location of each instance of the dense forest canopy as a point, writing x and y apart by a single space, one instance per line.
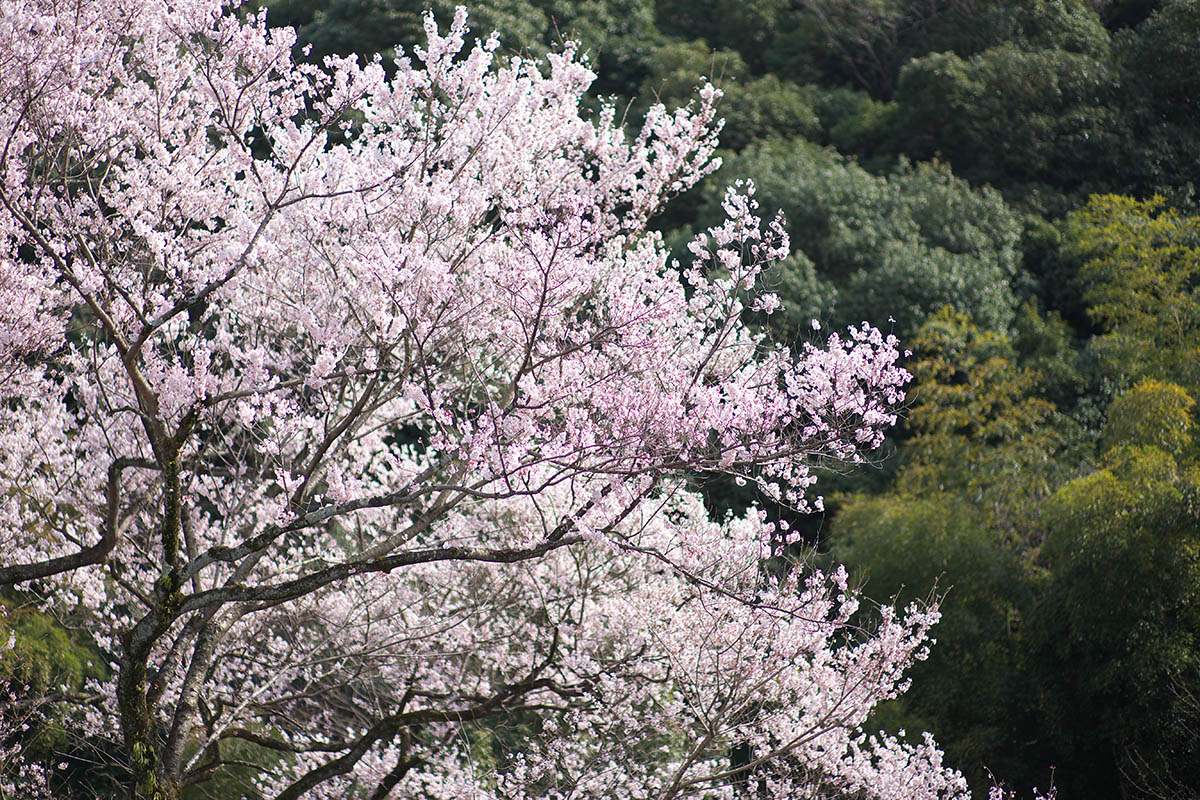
1009 187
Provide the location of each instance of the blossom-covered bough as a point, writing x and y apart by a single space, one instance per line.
352 418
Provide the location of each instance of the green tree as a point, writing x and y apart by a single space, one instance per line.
1151 414
973 689
1116 631
862 39
1142 277
984 450
367 27
901 245
1074 26
747 26
978 427
755 109
619 35
857 124
48 660
1014 118
1160 68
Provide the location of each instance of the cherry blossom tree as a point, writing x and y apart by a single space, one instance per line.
352 417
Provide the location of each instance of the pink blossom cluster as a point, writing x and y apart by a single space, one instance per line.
353 417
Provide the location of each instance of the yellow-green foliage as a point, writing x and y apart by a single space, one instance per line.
966 383
1123 544
45 659
1151 413
1143 274
979 427
45 655
909 548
